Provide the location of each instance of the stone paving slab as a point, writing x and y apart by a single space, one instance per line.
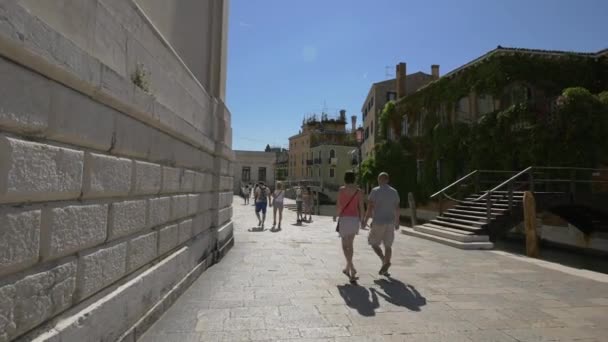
288 286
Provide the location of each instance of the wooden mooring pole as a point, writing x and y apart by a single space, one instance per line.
530 224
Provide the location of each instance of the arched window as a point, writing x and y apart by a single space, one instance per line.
332 153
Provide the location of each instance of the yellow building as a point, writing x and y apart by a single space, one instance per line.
314 132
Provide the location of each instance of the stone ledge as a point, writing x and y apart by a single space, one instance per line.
123 314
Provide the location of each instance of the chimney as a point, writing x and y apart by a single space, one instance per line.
435 71
342 115
353 120
401 86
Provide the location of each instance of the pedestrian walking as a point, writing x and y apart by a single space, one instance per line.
349 210
299 203
262 197
383 208
307 200
277 202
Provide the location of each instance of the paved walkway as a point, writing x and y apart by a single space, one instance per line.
287 286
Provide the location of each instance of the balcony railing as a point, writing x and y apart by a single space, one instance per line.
318 161
309 162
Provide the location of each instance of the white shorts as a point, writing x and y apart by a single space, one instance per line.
349 225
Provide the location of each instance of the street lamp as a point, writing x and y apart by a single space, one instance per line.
359 138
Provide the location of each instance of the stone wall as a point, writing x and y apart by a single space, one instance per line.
112 199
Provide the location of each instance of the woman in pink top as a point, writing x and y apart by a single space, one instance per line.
349 210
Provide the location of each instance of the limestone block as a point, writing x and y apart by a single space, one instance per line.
106 176
186 155
179 206
185 231
69 229
167 238
132 138
225 199
226 183
161 150
35 298
193 206
224 233
201 223
159 211
127 218
224 215
199 179
25 99
79 120
110 41
147 178
100 268
187 184
19 239
115 86
142 250
171 179
38 172
206 201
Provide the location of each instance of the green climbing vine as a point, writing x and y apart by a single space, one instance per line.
562 124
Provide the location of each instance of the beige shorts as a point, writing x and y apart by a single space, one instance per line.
381 234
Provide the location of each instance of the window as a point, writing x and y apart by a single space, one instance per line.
371 103
372 126
246 174
404 127
391 96
332 154
262 174
319 173
366 133
332 173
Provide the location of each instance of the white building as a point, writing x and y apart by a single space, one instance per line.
251 167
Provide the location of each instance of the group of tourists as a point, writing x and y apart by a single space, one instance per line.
263 198
382 209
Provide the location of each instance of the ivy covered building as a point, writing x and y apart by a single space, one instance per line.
505 110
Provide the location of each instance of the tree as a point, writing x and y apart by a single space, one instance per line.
267 148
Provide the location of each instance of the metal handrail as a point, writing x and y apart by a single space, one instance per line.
454 184
526 170
568 168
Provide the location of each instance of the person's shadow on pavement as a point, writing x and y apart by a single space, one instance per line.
398 293
358 297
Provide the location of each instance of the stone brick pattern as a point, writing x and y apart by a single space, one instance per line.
99 181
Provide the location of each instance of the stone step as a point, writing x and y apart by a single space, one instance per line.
481 208
481 217
473 213
448 242
451 234
456 225
461 221
482 203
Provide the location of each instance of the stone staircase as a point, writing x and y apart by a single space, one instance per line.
467 225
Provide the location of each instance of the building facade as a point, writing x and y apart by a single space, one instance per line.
380 94
251 167
316 131
330 163
115 162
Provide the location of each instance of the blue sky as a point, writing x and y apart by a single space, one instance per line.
288 58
